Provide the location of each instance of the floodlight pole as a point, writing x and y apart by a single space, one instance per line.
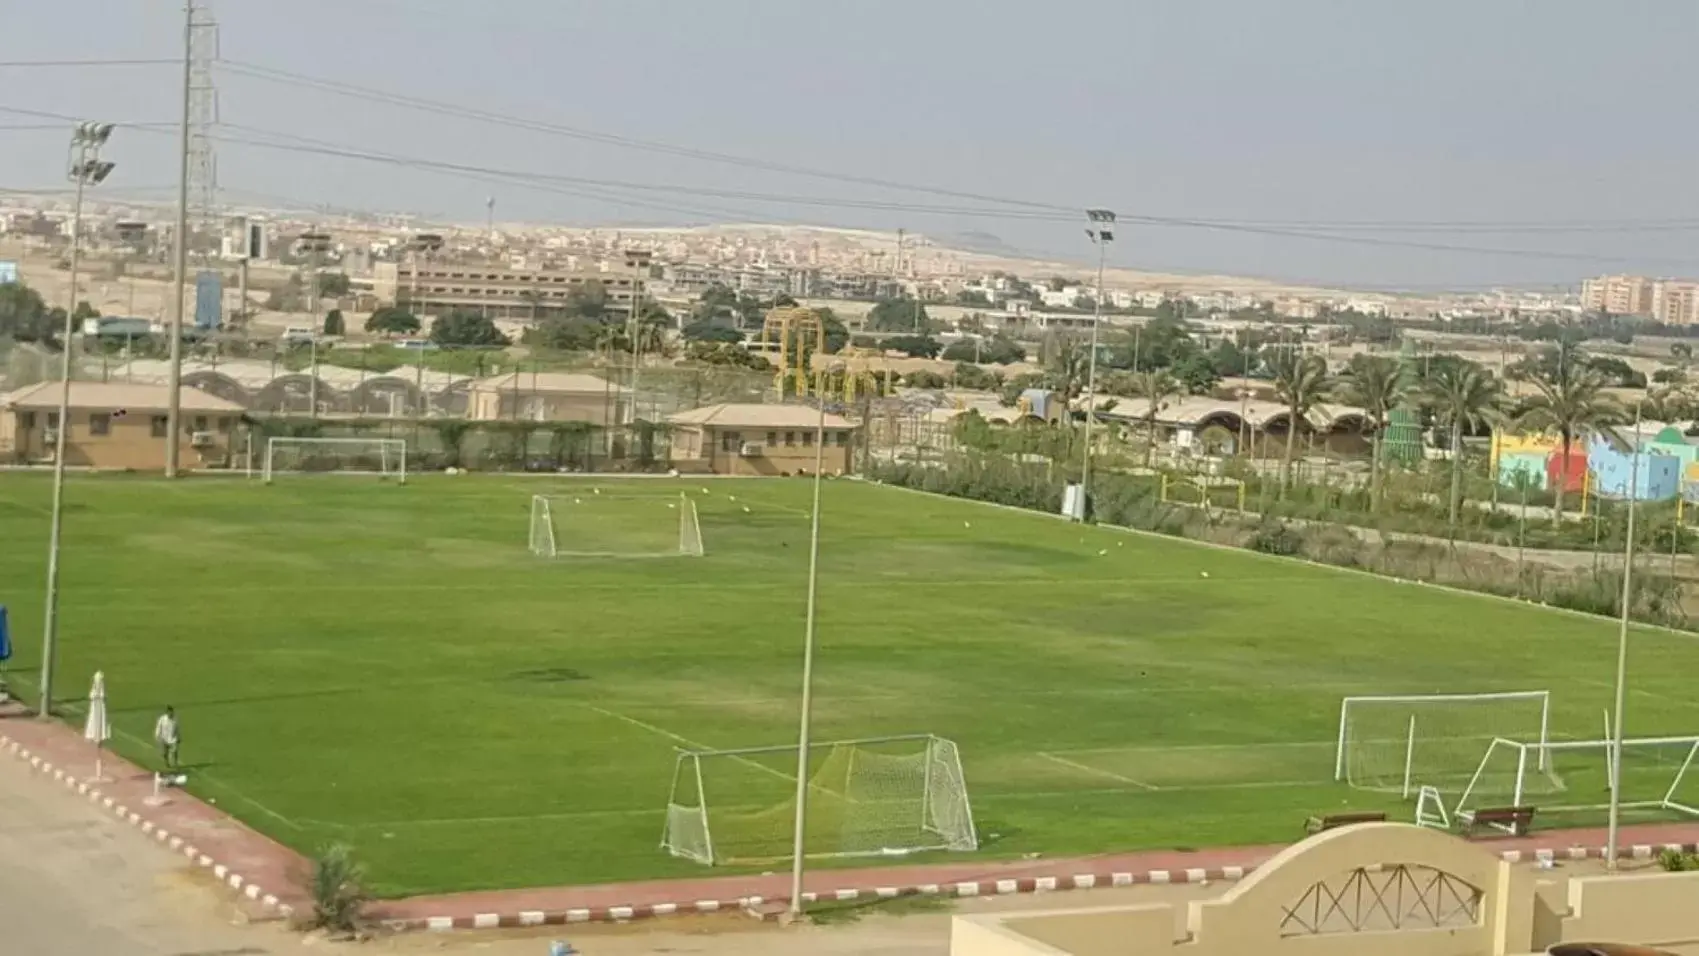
1615 822
86 170
1102 235
180 281
802 739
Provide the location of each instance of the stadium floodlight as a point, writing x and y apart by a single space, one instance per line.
383 457
1395 744
1102 235
800 831
879 796
1613 826
86 169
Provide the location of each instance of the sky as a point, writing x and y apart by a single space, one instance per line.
1446 144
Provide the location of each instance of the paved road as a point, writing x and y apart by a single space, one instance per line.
77 882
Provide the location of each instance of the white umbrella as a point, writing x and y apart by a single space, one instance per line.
97 729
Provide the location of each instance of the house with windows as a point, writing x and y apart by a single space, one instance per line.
753 439
117 426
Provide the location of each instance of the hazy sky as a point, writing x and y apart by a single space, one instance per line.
1301 113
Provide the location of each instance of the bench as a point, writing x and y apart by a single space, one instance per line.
1517 820
1319 824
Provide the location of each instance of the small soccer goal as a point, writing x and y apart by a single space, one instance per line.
590 524
1656 775
882 796
382 457
1394 744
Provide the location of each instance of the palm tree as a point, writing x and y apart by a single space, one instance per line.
1462 395
1571 401
1156 387
1377 384
1300 383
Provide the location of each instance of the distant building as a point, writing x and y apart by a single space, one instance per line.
1618 295
749 439
549 397
117 426
437 288
1675 301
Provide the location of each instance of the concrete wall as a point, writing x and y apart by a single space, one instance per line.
1515 914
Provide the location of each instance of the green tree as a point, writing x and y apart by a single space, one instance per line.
84 311
1570 400
565 334
390 320
1300 383
1197 374
973 297
333 285
924 378
973 377
711 330
1157 387
898 315
23 314
466 328
1464 396
1377 384
333 323
914 346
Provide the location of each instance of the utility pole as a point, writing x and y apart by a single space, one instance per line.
1102 233
174 402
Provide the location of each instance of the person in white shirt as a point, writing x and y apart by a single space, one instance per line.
168 735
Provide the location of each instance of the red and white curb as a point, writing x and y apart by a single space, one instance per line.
960 890
171 841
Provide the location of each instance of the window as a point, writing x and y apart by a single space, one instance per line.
200 423
842 438
159 425
99 423
728 441
807 439
52 419
26 421
772 438
790 438
224 424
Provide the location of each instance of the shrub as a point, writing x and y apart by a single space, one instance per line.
1678 861
1276 537
338 890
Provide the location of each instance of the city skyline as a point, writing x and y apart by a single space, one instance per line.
1402 178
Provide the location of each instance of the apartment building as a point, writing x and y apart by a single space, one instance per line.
1675 301
1618 295
429 288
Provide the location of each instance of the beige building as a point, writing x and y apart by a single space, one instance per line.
1378 889
116 426
549 397
1618 295
1675 301
438 288
737 439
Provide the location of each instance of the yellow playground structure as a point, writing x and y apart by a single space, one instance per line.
792 336
1205 491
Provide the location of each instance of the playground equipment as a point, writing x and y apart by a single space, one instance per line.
1202 490
794 334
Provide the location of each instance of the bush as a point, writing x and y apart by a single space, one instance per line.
1678 861
338 890
1276 537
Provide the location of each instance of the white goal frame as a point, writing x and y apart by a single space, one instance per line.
390 450
542 541
1527 754
688 833
1341 764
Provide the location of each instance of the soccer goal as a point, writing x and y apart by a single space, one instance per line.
1395 744
590 524
383 457
1578 775
874 797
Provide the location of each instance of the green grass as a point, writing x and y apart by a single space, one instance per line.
388 667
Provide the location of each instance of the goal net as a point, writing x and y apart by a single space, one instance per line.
874 797
592 524
1577 776
1395 744
384 457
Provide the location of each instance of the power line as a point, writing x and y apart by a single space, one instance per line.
80 64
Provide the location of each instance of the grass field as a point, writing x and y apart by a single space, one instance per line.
388 666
